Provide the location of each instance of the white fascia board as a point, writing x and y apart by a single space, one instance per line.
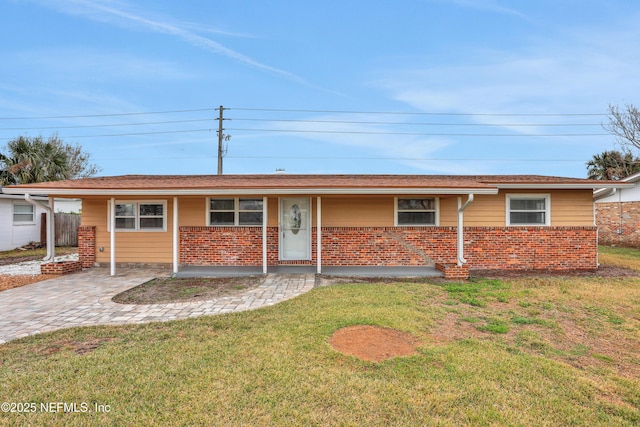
585 186
256 191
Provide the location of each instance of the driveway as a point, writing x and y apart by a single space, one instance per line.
84 299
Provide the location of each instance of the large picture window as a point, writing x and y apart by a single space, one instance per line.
529 209
235 211
141 216
414 212
23 213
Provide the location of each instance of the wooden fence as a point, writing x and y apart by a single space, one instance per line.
66 226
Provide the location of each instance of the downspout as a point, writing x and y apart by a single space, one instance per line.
461 209
51 244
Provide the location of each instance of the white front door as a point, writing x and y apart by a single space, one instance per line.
295 229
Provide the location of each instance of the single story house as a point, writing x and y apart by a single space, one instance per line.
453 223
618 213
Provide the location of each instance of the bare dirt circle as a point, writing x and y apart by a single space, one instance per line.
373 343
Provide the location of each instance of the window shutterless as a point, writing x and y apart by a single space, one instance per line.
413 212
235 211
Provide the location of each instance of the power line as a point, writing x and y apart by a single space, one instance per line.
131 134
425 113
417 133
111 125
106 115
419 123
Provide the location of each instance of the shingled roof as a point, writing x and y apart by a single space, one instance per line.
300 183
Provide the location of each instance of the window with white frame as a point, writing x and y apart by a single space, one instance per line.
414 212
141 215
528 209
24 213
235 211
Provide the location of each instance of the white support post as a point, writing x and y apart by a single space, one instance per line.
176 235
112 242
319 234
461 209
51 230
264 234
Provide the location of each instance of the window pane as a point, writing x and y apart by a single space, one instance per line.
126 223
23 209
416 204
128 209
416 218
527 218
250 218
221 204
527 204
151 223
250 204
221 218
151 210
22 218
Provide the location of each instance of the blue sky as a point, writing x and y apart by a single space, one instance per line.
409 86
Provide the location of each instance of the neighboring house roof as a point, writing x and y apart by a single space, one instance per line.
302 184
601 193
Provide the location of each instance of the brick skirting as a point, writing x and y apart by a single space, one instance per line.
60 268
486 248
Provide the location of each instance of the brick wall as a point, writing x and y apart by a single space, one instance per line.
221 246
618 223
513 248
535 248
60 268
87 245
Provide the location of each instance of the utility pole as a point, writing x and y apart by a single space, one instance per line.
220 139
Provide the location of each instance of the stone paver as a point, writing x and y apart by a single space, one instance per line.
84 298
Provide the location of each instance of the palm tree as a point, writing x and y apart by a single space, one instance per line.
29 160
612 165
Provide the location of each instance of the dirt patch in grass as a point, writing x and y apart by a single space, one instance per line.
373 343
15 281
169 289
77 347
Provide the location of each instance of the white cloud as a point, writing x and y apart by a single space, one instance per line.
117 13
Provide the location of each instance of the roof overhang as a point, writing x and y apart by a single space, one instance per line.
251 191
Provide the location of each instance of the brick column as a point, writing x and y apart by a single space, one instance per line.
87 245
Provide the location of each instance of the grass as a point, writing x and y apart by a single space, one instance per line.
530 351
619 257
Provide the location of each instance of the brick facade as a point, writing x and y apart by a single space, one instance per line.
618 223
486 248
87 245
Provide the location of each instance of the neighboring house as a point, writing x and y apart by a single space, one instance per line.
454 223
618 213
19 221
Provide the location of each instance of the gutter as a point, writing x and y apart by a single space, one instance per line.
50 257
461 208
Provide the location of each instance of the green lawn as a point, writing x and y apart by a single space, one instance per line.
532 351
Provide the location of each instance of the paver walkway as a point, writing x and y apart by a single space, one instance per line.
84 299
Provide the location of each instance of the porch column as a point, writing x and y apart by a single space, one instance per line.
264 234
461 209
51 230
112 242
319 234
176 235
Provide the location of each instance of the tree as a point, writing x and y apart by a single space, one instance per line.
624 125
27 160
613 165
